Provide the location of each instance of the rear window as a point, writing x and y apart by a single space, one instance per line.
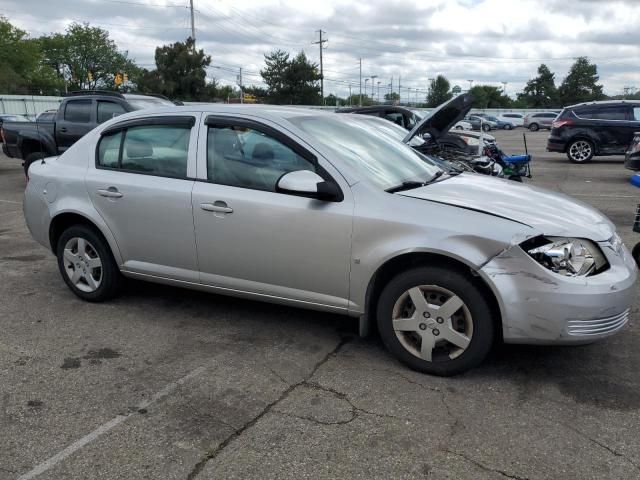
78 111
108 110
604 113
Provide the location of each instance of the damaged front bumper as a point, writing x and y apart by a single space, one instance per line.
539 306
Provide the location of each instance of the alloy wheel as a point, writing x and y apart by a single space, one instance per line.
82 264
432 323
580 151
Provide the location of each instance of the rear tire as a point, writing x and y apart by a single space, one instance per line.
486 127
534 127
580 151
508 127
458 339
32 157
87 265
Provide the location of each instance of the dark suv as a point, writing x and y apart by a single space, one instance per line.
595 129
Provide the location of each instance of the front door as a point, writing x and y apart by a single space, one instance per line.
252 239
141 186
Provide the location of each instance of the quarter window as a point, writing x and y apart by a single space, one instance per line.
247 158
109 150
78 111
636 113
108 110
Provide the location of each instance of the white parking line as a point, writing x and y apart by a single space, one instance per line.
105 427
10 201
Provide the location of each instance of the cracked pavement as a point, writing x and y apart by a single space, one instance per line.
207 387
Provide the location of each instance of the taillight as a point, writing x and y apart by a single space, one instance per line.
561 123
2 134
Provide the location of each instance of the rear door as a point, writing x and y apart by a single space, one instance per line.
141 185
77 118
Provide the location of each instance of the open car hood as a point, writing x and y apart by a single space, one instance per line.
439 121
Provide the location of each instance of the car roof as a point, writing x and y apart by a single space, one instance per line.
374 108
605 103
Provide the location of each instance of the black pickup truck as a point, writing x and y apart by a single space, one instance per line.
78 114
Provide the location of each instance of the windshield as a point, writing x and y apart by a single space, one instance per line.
148 102
381 159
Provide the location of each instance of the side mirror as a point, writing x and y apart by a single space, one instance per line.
306 183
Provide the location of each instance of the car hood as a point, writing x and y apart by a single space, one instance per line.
548 212
442 119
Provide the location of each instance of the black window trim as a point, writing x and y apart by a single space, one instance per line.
122 127
594 108
228 121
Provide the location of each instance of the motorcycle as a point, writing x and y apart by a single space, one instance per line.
514 167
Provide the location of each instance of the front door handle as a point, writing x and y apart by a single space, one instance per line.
111 192
63 129
217 207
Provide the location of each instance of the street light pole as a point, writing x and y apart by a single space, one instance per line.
470 84
373 77
365 86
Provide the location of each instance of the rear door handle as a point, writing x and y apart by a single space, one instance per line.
218 207
110 192
63 129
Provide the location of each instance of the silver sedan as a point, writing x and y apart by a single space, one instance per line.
320 211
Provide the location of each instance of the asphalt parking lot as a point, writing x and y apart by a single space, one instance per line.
164 383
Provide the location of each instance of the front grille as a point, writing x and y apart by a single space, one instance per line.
599 326
636 223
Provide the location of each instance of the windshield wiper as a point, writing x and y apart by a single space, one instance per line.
436 176
409 185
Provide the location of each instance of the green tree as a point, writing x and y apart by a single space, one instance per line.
540 91
22 65
487 96
291 80
85 57
180 73
439 91
392 97
581 83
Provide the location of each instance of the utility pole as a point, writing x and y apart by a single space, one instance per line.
373 78
349 94
365 87
360 103
240 85
379 82
321 42
399 90
193 25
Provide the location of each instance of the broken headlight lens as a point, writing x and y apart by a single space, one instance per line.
572 257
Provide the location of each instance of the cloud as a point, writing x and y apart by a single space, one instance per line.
491 41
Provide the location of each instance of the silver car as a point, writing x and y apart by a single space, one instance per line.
317 210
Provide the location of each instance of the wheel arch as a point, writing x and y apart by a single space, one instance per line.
63 220
393 266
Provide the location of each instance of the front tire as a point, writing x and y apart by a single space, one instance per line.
435 320
516 178
508 127
534 127
87 265
580 151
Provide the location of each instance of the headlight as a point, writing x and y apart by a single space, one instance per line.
572 257
470 140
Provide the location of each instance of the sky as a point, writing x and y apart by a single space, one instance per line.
487 41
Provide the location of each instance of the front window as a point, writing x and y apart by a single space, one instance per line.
383 160
248 158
